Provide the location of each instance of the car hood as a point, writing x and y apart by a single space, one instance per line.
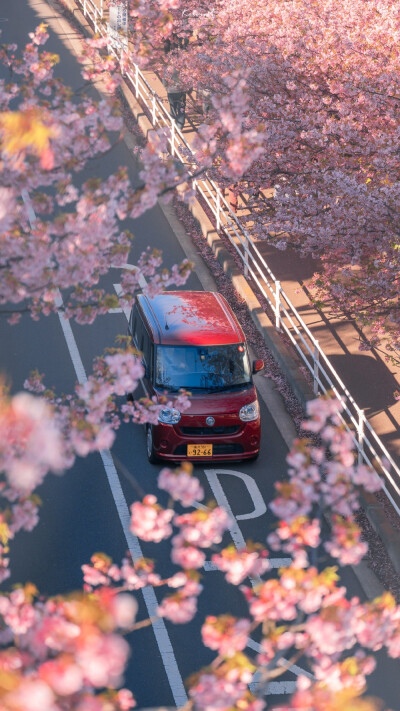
219 403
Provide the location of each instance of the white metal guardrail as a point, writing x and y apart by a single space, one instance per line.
370 448
95 11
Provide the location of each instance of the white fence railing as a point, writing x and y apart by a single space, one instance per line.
95 11
369 446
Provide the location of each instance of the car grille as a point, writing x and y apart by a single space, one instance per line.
223 448
210 431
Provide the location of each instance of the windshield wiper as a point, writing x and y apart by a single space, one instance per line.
170 388
221 388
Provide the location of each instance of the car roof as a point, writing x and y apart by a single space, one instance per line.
190 318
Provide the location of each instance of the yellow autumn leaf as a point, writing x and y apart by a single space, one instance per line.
24 130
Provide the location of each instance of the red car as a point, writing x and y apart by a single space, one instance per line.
192 341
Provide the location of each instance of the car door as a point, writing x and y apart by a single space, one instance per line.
142 341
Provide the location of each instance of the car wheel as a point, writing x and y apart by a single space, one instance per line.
151 455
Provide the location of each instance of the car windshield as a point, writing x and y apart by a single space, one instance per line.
202 367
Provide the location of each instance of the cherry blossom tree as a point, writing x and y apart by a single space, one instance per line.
57 236
315 85
68 653
62 652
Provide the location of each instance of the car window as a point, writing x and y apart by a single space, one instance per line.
133 319
141 339
202 367
147 353
138 330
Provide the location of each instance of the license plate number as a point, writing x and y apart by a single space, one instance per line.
199 450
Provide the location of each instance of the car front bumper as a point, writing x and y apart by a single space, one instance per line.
232 440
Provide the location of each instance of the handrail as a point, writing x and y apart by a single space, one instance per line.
91 9
370 448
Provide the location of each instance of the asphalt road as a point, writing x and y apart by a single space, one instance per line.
86 510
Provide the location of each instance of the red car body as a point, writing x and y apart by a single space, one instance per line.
192 340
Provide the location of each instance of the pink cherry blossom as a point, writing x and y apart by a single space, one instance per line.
181 485
223 689
240 564
186 555
103 659
178 608
61 676
32 695
225 634
284 112
124 610
126 700
149 521
203 528
34 442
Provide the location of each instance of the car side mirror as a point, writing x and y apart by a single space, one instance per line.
258 365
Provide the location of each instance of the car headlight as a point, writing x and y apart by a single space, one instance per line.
249 412
169 416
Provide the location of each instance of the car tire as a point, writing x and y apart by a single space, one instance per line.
151 455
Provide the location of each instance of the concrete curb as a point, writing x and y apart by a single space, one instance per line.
373 508
381 524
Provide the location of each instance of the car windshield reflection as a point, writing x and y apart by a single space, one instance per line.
207 368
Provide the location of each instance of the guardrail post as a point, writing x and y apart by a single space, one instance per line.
218 210
316 367
136 80
101 9
172 137
278 305
246 255
360 434
84 7
153 110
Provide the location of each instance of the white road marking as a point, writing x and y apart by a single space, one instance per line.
255 493
274 687
281 687
118 287
279 562
259 509
132 268
29 208
237 537
219 495
273 563
124 309
160 631
294 668
210 566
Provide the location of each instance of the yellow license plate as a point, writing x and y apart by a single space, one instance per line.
199 450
